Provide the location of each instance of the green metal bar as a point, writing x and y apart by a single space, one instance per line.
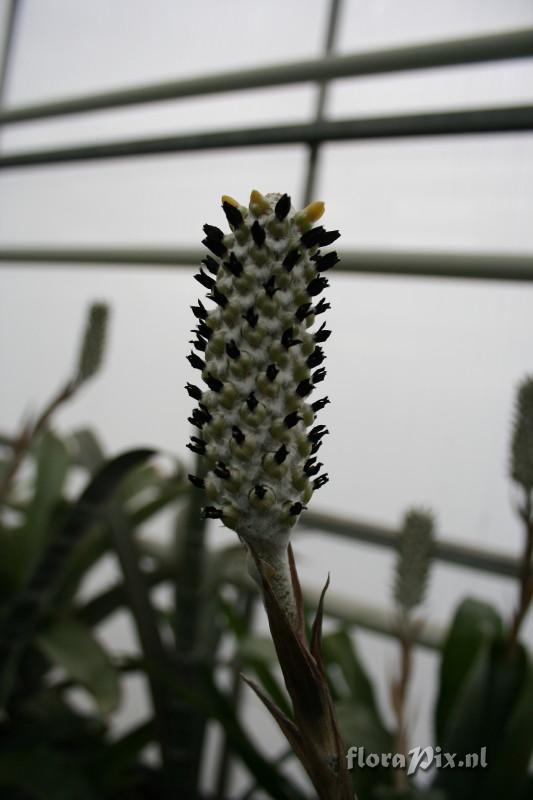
102 256
478 266
449 552
6 47
514 44
432 264
442 123
313 155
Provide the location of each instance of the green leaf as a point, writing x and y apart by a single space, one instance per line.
475 623
215 704
507 771
86 450
150 480
121 757
141 480
97 543
168 491
258 654
527 791
271 684
19 622
482 709
52 462
358 716
42 773
359 727
89 550
90 508
256 647
72 646
340 651
9 556
44 715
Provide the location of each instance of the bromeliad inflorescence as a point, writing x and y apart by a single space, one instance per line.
260 363
261 358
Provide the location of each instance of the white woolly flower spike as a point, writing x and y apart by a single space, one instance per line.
261 362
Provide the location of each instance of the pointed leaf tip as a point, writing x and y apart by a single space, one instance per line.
316 631
287 726
297 591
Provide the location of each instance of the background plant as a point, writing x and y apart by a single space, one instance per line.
82 504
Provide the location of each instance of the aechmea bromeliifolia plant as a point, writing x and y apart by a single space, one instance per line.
260 355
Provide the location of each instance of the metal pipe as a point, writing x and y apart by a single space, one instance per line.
313 154
442 123
449 552
7 45
102 256
478 266
510 45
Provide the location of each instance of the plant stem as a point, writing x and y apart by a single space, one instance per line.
64 394
277 567
313 731
19 448
28 433
400 691
525 592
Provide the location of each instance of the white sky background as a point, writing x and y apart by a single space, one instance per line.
421 372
